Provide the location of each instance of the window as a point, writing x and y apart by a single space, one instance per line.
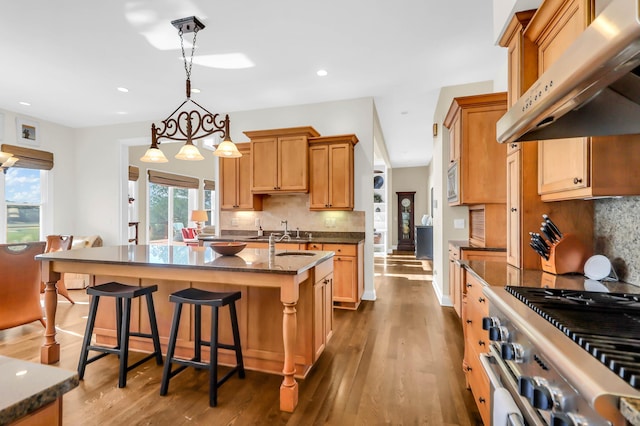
23 205
209 200
169 209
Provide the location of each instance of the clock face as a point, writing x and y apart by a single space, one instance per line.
406 202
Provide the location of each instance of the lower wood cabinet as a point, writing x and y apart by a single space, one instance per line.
348 273
322 308
476 342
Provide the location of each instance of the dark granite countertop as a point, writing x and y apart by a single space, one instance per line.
190 257
466 245
28 386
319 238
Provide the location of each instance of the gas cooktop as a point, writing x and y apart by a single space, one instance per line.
607 325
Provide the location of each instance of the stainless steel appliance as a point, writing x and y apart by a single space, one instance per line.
592 89
452 183
566 356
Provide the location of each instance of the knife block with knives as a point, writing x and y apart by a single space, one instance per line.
566 256
559 253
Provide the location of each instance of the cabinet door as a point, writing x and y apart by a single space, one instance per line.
563 165
264 167
318 318
229 183
513 208
344 274
340 176
319 177
328 307
293 164
245 197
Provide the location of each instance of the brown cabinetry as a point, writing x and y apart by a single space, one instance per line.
235 185
331 172
280 160
471 121
525 206
322 307
348 273
476 342
577 168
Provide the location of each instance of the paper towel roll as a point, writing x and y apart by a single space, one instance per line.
503 405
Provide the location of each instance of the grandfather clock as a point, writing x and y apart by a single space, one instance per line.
406 237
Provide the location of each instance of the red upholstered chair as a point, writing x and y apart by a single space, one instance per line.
189 236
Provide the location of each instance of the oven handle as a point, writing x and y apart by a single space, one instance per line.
513 419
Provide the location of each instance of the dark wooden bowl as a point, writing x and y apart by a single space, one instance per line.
228 248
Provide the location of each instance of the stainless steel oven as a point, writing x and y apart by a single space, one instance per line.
453 183
542 363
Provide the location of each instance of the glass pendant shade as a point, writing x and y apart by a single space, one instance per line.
10 162
227 149
189 152
154 155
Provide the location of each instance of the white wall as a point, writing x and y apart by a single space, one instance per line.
444 216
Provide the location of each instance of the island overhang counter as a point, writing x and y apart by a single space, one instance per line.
285 313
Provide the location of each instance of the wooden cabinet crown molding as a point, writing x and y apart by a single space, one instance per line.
550 9
519 21
489 99
351 138
307 131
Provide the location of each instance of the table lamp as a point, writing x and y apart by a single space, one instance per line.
199 216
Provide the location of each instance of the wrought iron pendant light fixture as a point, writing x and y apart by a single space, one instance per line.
189 125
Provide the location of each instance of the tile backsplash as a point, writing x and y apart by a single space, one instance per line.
294 209
618 236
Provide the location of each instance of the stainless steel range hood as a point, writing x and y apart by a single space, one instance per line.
593 89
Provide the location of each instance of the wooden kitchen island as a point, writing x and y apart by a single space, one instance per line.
285 313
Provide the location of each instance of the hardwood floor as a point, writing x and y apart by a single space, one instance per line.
395 361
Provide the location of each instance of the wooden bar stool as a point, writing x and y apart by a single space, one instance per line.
215 300
121 293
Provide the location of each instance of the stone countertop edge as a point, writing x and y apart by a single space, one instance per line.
466 245
264 239
630 409
48 394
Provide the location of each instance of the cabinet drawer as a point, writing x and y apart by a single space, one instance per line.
341 249
480 386
314 246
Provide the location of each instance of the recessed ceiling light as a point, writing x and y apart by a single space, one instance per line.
24 103
123 89
122 112
404 112
194 90
322 73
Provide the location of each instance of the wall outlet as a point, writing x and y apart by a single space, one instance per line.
458 223
257 223
234 221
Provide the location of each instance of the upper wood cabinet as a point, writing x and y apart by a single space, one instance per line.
577 168
235 186
524 204
331 172
471 121
280 161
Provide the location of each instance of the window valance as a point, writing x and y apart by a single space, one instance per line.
30 158
134 173
209 185
169 179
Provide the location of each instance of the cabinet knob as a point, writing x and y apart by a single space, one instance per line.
482 400
481 342
469 321
481 299
469 285
513 145
513 209
577 181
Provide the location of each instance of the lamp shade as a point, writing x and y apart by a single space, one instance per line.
154 155
4 156
199 216
189 152
227 149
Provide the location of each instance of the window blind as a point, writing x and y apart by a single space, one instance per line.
209 185
30 158
169 179
134 173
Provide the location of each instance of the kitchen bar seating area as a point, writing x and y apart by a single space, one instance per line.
364 374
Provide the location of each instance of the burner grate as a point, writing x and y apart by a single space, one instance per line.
607 325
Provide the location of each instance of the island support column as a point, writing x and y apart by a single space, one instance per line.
50 350
289 295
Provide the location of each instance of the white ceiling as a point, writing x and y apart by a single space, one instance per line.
66 58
